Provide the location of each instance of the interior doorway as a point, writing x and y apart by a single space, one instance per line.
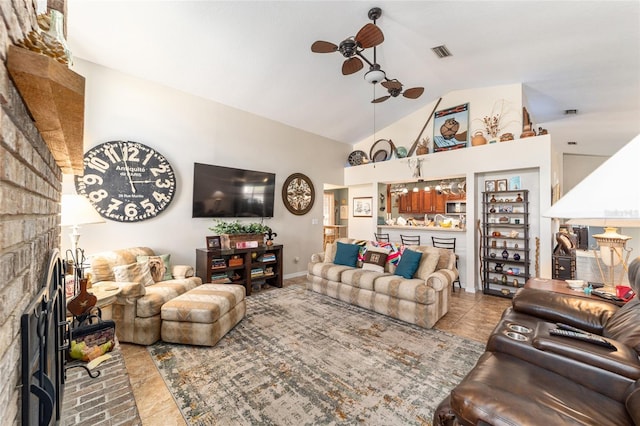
334 214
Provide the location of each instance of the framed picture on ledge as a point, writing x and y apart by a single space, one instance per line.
514 183
451 128
501 185
489 185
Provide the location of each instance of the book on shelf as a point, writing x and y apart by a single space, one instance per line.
268 257
218 264
220 278
257 272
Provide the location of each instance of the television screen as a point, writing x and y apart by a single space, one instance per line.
227 192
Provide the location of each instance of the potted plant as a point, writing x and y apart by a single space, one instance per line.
233 232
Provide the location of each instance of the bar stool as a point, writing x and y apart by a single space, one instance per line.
381 237
448 243
329 236
410 240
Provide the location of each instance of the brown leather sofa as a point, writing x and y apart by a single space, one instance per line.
527 376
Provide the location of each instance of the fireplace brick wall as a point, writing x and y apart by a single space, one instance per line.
30 188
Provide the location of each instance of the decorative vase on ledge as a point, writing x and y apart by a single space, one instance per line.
478 138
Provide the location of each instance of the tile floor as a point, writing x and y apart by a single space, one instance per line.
470 315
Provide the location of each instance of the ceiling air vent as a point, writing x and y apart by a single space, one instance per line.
441 51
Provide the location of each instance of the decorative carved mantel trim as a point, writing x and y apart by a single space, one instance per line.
55 97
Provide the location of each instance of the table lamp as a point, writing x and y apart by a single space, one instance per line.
603 199
77 211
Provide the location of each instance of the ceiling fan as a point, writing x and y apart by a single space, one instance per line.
368 36
394 87
351 48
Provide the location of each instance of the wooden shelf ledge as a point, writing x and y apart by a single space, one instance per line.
55 97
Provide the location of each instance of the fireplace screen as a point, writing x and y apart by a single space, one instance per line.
44 341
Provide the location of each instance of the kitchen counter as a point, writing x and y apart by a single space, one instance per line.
419 228
426 232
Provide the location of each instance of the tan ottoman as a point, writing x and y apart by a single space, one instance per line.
203 315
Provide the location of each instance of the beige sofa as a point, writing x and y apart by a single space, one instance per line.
421 300
136 310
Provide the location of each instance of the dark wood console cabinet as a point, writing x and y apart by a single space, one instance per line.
248 267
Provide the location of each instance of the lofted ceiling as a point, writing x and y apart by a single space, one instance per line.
256 56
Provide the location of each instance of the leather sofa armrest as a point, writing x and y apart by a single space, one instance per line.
623 361
181 271
586 314
633 405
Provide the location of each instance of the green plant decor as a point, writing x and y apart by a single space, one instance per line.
236 227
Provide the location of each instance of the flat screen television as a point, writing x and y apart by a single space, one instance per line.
228 192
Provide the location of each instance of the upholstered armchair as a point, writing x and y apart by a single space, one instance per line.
146 282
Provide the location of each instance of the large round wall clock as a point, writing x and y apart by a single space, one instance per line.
126 181
298 194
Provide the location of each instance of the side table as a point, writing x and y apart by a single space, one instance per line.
106 294
560 286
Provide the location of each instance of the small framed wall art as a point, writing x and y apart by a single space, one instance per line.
344 212
514 183
213 242
363 207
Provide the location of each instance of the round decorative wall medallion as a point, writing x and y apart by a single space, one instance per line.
126 181
298 194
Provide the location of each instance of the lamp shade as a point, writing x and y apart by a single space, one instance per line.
77 210
609 196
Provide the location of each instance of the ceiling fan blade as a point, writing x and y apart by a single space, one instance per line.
369 36
380 99
391 84
413 93
323 47
351 65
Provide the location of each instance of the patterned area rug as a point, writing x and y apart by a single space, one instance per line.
299 358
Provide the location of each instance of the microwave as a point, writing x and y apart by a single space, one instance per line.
456 207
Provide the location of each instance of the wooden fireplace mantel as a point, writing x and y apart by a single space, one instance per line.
55 97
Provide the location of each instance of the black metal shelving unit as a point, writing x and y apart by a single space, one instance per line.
505 213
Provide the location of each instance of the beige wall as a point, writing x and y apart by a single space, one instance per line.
188 129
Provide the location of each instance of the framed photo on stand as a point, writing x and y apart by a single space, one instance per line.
213 242
489 185
501 185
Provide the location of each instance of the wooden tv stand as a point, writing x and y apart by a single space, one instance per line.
247 267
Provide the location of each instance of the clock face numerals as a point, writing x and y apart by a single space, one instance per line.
298 194
126 181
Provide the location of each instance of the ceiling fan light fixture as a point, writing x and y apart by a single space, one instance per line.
375 75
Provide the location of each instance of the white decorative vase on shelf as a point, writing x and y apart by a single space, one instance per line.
55 38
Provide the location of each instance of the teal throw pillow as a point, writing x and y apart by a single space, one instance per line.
346 254
409 263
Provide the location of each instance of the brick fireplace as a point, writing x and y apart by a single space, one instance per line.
30 188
